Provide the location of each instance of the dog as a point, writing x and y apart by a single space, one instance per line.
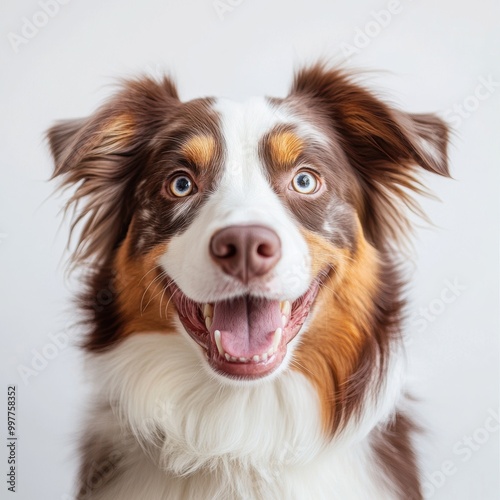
243 290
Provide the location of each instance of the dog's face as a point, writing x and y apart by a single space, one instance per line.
245 212
244 186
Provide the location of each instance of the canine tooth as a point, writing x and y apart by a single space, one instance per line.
284 320
208 322
277 338
227 356
208 310
264 356
286 307
243 360
218 342
256 358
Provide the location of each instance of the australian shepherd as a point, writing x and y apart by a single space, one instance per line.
243 299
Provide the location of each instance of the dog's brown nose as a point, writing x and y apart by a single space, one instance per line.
245 251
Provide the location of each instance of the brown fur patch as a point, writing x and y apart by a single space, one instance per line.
142 297
126 296
330 351
394 451
200 150
100 465
285 147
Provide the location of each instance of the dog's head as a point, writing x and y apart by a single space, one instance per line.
243 213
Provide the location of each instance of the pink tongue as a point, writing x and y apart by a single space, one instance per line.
247 325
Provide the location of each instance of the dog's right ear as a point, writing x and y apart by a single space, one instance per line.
101 155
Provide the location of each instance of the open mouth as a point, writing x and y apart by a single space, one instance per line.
244 337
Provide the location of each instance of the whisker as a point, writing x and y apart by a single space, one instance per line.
161 300
171 297
294 361
152 269
145 291
334 292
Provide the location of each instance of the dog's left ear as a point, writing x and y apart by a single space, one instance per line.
385 146
102 156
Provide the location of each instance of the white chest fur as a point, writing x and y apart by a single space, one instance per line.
203 439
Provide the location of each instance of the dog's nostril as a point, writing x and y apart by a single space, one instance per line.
265 250
230 251
221 250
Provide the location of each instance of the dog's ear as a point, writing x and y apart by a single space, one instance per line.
101 155
385 146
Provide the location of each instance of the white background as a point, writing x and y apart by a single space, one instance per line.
432 56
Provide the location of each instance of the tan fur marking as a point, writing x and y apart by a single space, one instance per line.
330 348
117 134
142 300
200 149
285 148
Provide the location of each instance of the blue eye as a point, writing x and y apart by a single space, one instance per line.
181 186
305 183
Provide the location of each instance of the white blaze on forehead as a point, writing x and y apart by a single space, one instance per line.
244 188
242 196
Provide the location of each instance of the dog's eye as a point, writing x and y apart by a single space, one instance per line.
305 183
181 186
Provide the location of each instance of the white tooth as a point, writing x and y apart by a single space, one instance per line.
233 358
218 342
208 310
286 308
277 338
284 320
243 360
256 358
270 352
227 356
264 356
208 322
